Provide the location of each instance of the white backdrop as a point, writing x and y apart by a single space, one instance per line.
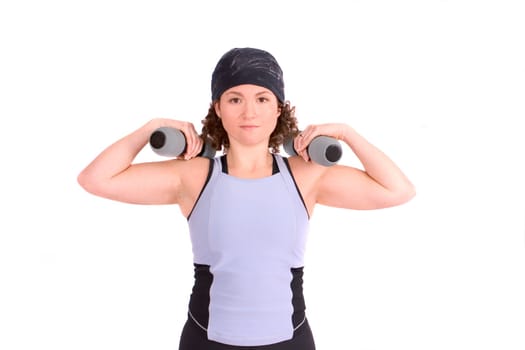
438 85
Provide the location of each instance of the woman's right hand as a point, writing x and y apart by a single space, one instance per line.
194 142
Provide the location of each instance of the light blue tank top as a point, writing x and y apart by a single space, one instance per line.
251 233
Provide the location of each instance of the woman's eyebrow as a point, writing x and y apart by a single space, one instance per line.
233 92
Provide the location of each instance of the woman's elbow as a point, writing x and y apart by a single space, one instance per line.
406 194
89 183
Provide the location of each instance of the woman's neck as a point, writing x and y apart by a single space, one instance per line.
253 163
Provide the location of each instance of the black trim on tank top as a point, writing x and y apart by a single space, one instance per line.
275 166
200 296
295 183
210 170
298 303
224 164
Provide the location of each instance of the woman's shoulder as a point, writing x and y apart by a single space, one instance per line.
300 167
193 175
194 168
306 176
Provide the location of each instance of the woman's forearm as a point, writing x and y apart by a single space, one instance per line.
118 156
376 163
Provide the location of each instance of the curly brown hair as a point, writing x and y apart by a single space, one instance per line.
213 131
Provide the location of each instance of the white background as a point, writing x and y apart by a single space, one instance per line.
438 85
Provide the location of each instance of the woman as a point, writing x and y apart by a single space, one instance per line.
248 209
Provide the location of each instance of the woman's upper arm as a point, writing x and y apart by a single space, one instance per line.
348 187
141 183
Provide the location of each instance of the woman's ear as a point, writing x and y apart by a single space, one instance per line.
217 108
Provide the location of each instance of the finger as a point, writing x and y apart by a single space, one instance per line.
308 134
300 141
304 140
195 146
192 141
198 146
300 147
304 155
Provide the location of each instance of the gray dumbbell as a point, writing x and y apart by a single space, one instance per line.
171 142
323 150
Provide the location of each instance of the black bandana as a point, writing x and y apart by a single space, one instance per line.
247 66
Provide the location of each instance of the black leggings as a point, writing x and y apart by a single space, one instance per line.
195 338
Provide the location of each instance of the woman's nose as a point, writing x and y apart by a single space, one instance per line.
250 110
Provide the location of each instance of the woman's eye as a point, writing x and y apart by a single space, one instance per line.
235 100
263 99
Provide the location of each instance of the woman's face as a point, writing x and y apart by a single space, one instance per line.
248 113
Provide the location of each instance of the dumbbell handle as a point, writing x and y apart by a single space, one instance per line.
171 142
323 150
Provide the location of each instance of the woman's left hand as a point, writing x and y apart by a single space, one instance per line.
301 142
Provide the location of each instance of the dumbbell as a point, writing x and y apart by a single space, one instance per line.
171 142
323 150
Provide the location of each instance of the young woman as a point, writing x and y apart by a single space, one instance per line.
247 209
